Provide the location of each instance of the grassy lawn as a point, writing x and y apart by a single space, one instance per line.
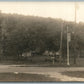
78 74
23 77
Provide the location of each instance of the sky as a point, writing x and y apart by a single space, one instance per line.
63 10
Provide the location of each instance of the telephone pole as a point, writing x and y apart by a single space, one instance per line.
68 40
75 34
1 43
61 42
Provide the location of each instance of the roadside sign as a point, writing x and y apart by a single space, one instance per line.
69 37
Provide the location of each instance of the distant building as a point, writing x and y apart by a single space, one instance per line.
46 53
26 54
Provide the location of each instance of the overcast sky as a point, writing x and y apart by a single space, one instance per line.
64 10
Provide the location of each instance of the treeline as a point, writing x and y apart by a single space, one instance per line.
19 34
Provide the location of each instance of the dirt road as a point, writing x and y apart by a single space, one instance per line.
54 72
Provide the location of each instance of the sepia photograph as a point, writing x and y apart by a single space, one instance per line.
41 41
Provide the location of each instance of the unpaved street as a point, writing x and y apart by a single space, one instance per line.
54 72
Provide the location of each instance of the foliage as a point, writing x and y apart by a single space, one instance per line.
28 33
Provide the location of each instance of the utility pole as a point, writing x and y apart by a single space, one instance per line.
61 42
75 33
68 40
1 51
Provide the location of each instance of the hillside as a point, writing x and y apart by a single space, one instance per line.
21 33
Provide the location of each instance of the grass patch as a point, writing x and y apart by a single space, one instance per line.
25 77
78 74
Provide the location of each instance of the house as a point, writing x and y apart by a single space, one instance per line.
26 54
46 53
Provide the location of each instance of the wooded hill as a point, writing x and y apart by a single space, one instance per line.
21 33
